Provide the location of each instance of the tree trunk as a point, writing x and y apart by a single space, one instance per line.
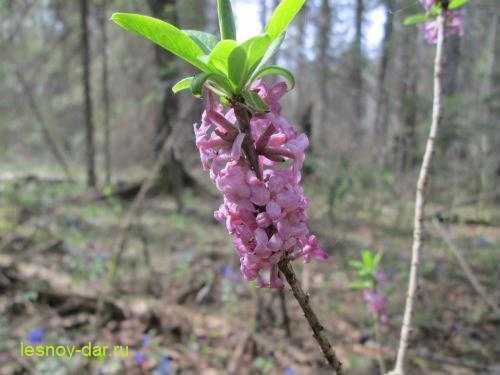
357 71
493 94
304 103
172 174
380 124
168 72
323 46
452 57
89 124
47 134
105 91
406 154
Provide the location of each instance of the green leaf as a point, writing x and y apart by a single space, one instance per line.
454 4
282 16
237 68
416 18
253 100
255 49
356 264
435 10
183 84
205 41
270 53
361 285
198 82
277 70
217 83
220 85
226 20
218 58
367 257
163 34
245 58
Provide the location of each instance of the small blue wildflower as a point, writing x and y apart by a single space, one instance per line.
35 336
289 371
140 357
229 273
146 341
164 367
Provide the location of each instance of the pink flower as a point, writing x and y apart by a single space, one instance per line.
428 3
266 218
312 250
454 26
377 304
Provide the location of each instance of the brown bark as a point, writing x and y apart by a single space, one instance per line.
87 107
323 46
105 91
357 70
310 315
382 106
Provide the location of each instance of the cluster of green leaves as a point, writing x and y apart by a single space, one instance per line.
433 12
366 269
227 68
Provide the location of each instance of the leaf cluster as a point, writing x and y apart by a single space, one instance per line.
433 12
366 269
226 67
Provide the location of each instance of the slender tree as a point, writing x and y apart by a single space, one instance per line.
172 174
357 69
493 100
103 21
323 46
87 105
47 134
420 198
381 118
406 143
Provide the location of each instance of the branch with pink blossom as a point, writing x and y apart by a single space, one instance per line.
253 155
442 18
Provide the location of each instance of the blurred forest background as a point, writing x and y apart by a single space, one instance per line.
87 115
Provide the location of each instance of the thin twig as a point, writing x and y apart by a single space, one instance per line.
447 237
420 199
46 132
243 116
378 338
318 330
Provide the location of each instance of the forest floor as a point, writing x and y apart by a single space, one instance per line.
179 294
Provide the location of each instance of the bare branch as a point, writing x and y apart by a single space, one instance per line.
420 200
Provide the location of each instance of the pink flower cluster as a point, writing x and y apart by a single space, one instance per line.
266 217
377 302
454 23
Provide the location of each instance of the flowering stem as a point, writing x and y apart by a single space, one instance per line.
318 330
243 118
420 198
378 338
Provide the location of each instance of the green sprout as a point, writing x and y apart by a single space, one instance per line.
366 270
